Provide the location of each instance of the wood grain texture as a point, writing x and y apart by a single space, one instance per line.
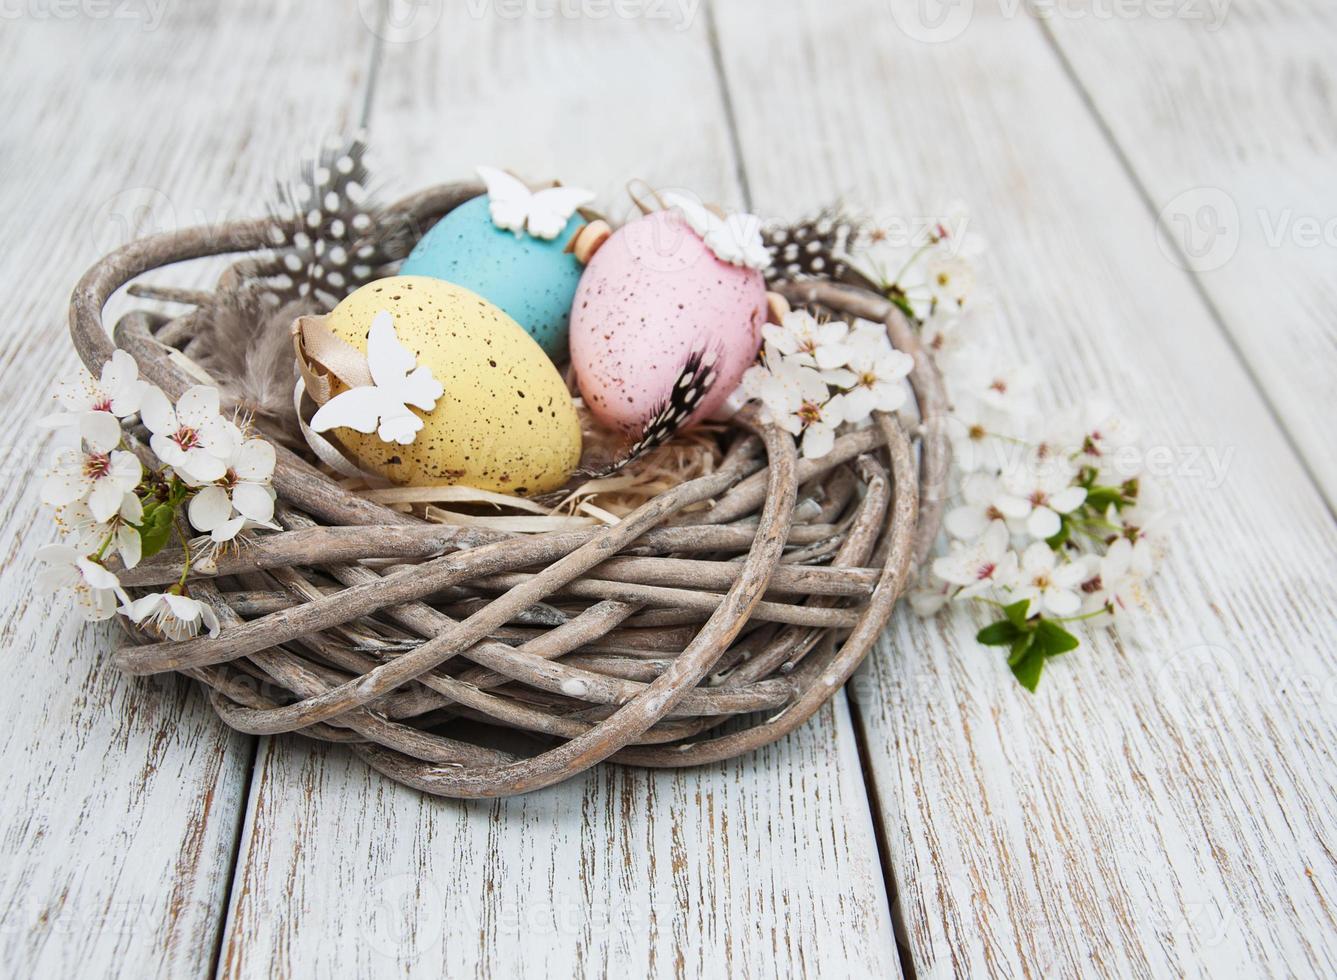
764 865
1163 806
123 797
760 866
1225 115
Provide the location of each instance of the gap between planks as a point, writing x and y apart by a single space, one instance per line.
246 812
694 884
857 726
1195 281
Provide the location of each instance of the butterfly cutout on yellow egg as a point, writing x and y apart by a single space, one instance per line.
542 213
383 406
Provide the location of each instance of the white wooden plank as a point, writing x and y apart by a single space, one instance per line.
1224 113
766 865
123 798
1163 806
762 866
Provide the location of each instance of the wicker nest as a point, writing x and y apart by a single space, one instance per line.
470 662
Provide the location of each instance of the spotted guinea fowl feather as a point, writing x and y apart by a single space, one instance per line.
329 235
693 384
327 238
814 247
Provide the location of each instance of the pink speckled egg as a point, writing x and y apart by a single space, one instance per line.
651 296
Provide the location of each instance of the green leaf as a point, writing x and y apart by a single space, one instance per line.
1027 664
156 529
1031 642
1061 536
1021 646
998 634
1016 613
898 299
154 541
1099 498
1052 639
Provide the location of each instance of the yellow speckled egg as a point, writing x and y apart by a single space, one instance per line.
506 421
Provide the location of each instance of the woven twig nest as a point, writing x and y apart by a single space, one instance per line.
673 637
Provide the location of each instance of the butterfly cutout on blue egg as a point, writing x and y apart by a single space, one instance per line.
542 213
509 246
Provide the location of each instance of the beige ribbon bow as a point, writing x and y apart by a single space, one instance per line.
323 358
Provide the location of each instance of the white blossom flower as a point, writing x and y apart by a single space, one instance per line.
1117 587
1050 585
817 417
928 598
970 519
881 259
756 382
101 478
819 423
192 438
952 231
797 399
806 342
178 617
94 406
776 384
950 278
89 533
96 589
980 437
1144 529
1053 436
953 337
1108 442
1005 390
244 487
1038 491
878 383
979 565
871 335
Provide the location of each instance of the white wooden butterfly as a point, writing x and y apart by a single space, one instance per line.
516 208
382 407
735 239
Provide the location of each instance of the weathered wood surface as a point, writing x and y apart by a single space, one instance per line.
123 798
1164 805
758 866
762 865
1225 116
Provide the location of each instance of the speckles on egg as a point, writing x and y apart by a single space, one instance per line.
651 296
483 359
532 280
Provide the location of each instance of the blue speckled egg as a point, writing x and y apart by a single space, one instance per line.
531 279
